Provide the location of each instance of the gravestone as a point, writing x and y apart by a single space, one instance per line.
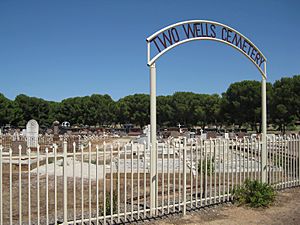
49 131
15 147
55 131
66 124
203 136
23 132
226 135
241 134
211 134
55 127
16 136
232 135
32 133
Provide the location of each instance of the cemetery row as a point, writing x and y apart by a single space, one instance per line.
31 136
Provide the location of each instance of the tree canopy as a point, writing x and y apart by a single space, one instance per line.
240 104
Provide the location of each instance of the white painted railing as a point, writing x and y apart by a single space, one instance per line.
111 183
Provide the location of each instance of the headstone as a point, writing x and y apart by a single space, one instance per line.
66 124
55 131
253 136
232 135
179 126
55 127
203 136
32 133
211 134
49 131
226 135
15 147
191 134
175 134
71 139
16 136
147 131
23 132
241 134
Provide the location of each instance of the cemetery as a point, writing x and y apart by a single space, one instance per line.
94 160
196 168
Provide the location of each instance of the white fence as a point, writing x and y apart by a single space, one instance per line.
111 184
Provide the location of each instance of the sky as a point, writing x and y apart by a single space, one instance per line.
65 48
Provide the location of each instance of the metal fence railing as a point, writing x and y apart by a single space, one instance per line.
111 183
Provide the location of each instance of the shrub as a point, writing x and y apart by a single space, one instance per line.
255 194
210 166
107 205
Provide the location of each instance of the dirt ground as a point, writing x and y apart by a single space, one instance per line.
285 211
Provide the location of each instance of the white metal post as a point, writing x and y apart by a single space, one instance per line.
153 176
65 183
264 125
1 198
20 186
184 176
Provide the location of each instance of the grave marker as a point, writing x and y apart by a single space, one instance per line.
32 133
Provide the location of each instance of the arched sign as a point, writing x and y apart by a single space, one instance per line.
192 30
179 33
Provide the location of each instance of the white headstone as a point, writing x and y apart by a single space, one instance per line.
226 135
16 136
179 126
23 133
66 124
201 131
203 136
32 133
146 132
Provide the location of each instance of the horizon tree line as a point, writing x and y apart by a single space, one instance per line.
240 105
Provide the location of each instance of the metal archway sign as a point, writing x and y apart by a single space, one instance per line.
193 30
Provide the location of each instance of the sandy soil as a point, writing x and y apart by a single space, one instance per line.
285 211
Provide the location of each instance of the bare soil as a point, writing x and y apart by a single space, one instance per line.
285 211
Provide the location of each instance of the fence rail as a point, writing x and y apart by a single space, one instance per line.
111 183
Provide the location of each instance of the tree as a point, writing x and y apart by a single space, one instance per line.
207 109
286 101
26 108
184 105
134 109
241 103
5 110
102 110
165 112
70 110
